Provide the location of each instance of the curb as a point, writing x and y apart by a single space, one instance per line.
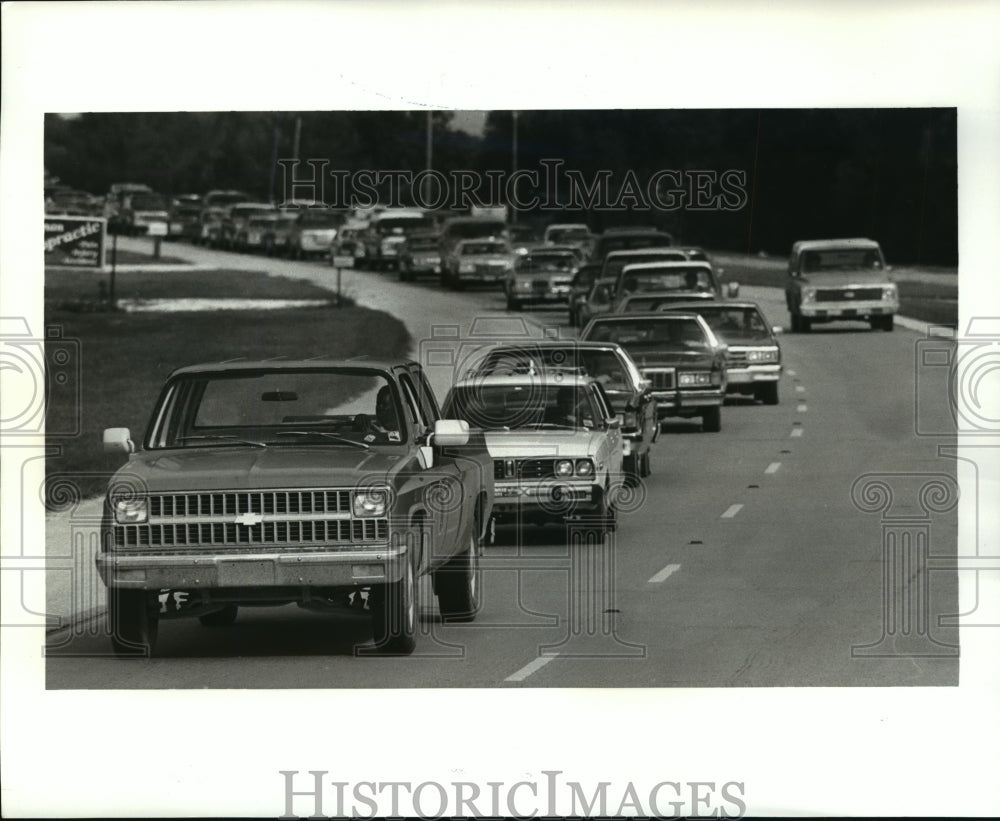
76 620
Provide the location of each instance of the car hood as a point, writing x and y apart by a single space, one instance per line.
526 443
551 276
478 259
238 468
648 359
859 276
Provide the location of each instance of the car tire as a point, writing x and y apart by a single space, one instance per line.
394 613
767 393
220 618
133 621
513 304
711 419
645 466
459 583
632 468
805 324
609 514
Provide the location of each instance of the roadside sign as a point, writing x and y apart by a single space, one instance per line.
157 229
343 262
74 241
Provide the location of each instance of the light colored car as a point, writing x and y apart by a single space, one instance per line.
627 391
555 441
541 276
687 280
234 224
485 261
678 353
753 355
387 232
313 232
838 279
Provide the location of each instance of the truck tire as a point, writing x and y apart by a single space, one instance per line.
394 614
133 621
711 419
220 618
767 393
459 582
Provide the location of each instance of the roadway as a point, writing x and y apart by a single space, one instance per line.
744 560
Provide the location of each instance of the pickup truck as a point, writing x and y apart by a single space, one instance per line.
839 279
323 483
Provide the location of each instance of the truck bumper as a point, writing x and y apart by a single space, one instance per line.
361 566
847 310
555 497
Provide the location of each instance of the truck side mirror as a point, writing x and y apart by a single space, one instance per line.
118 440
733 289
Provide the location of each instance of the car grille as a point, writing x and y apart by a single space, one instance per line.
661 379
489 267
524 468
286 517
846 294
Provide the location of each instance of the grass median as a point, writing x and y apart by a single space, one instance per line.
124 358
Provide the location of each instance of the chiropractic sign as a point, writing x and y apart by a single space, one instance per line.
76 242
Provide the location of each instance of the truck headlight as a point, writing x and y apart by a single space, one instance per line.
808 295
370 503
890 292
564 467
131 511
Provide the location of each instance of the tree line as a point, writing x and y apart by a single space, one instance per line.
736 179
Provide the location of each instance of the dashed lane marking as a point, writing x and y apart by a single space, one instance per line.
796 433
800 389
531 667
732 511
802 408
773 467
664 574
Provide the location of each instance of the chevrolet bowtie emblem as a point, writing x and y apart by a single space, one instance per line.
249 519
849 294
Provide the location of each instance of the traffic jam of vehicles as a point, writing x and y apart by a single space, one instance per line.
277 492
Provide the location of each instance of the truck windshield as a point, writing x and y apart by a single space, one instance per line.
279 407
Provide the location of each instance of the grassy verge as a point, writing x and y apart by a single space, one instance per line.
137 258
124 358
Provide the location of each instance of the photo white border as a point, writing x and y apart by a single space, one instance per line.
909 751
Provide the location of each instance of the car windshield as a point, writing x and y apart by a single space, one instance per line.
476 228
319 219
391 225
670 279
629 242
614 265
473 248
842 259
422 243
287 407
568 234
735 323
665 332
498 407
603 365
547 262
149 202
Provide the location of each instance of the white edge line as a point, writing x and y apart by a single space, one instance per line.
732 511
664 574
531 667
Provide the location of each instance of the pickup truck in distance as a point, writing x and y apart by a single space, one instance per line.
839 279
323 483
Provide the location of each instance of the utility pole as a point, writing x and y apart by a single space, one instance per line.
513 151
429 159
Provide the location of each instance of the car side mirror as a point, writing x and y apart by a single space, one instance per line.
733 290
777 329
118 440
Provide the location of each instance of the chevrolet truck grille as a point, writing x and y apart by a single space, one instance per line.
523 468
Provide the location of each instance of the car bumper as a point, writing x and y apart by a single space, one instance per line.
344 568
847 310
756 373
477 276
670 403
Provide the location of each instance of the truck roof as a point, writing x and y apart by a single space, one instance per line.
830 244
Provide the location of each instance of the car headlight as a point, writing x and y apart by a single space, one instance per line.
131 511
584 467
522 285
808 295
466 268
370 503
890 292
564 467
693 378
762 356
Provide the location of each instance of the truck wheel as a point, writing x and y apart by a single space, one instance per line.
711 419
394 615
220 618
805 324
767 393
610 512
882 323
459 582
645 468
133 621
632 467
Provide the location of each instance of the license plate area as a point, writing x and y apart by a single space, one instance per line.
246 573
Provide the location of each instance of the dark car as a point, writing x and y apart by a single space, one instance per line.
624 239
580 287
753 355
678 353
608 363
419 254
